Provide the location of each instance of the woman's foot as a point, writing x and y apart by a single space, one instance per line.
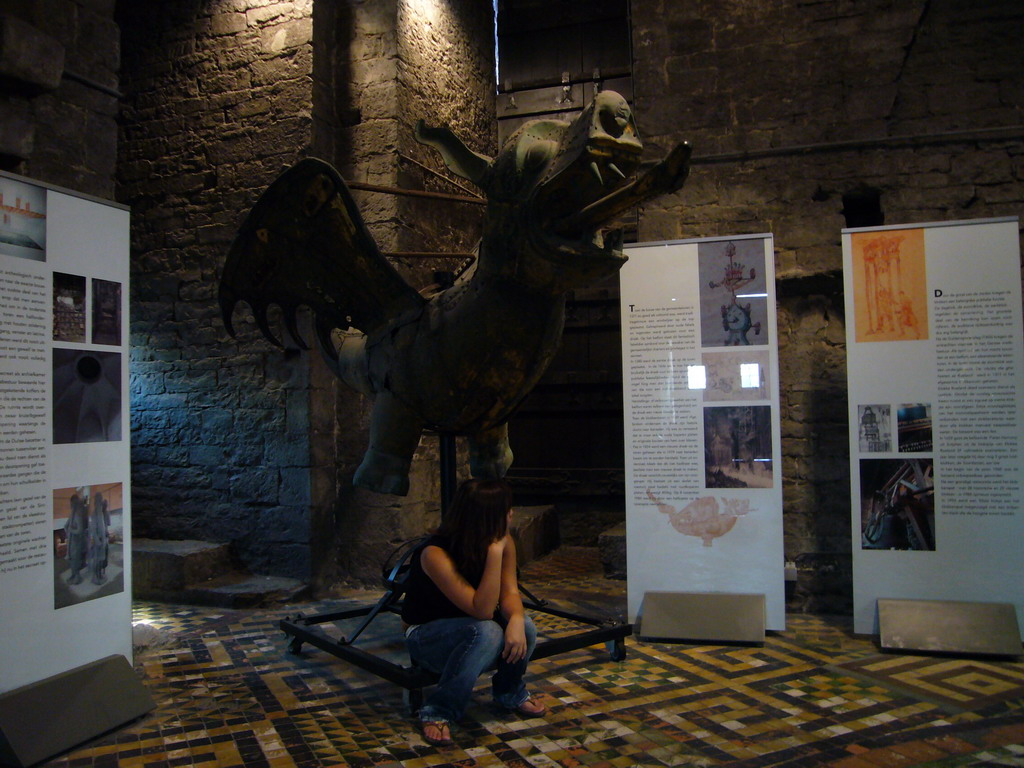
531 707
437 732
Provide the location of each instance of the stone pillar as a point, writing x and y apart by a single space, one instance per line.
392 63
59 64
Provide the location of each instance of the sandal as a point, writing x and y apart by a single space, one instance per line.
441 726
531 707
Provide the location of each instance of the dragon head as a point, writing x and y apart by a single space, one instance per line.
554 188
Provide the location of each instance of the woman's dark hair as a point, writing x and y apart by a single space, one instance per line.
478 516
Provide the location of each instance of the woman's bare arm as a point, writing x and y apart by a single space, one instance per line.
511 604
510 601
479 602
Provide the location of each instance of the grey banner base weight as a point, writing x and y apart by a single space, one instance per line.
949 626
48 717
719 617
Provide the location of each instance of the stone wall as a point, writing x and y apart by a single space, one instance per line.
234 440
791 107
217 103
446 77
59 63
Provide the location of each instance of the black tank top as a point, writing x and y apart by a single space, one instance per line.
424 601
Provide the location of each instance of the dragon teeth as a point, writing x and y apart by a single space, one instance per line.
597 172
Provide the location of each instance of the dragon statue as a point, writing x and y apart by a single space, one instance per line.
461 360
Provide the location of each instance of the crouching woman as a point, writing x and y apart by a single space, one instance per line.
463 611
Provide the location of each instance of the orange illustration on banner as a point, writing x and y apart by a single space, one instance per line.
890 288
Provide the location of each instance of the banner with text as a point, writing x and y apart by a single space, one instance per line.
64 453
702 433
935 363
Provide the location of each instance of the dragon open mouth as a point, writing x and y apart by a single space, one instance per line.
585 187
598 172
596 156
669 173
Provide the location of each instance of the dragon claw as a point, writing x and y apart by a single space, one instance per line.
292 326
324 333
263 323
227 302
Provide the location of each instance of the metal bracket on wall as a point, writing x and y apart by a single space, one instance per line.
566 95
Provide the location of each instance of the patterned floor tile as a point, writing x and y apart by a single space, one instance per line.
961 683
229 694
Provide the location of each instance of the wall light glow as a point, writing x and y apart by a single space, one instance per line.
429 9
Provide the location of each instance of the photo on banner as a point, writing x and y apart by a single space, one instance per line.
897 498
736 375
738 447
874 428
68 307
733 293
88 543
914 427
889 285
87 396
106 312
22 219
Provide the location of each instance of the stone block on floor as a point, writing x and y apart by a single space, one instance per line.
160 567
201 573
612 546
245 590
535 532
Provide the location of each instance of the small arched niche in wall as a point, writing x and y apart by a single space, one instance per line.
862 207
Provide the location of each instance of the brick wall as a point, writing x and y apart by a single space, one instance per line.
399 61
789 107
218 102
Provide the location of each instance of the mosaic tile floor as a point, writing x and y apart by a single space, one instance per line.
229 694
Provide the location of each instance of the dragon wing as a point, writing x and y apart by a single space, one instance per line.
304 243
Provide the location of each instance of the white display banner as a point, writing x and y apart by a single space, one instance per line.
935 358
64 451
702 433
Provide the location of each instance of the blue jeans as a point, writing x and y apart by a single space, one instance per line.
459 650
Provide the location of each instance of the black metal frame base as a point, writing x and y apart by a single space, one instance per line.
304 629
